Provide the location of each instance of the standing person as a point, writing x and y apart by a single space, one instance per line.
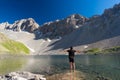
71 54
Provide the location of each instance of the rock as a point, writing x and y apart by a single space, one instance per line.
18 78
22 76
28 25
76 75
101 78
62 27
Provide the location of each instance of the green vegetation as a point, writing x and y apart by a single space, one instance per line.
112 50
115 49
15 47
10 46
93 51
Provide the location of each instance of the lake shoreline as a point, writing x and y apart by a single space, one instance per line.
52 65
99 53
23 75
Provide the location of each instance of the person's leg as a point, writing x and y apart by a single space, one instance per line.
71 66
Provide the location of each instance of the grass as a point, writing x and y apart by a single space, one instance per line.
114 49
15 47
93 51
10 46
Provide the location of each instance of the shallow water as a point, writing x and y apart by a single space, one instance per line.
92 65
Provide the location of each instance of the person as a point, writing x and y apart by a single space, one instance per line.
71 54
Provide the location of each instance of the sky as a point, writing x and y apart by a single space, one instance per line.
50 10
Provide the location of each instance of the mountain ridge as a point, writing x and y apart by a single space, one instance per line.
101 28
101 31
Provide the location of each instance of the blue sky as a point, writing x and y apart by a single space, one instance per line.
49 10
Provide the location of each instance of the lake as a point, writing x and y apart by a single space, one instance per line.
91 65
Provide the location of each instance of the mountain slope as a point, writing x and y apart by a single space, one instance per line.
102 31
10 46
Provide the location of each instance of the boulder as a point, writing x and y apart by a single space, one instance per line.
22 76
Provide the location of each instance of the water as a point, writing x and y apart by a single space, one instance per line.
92 65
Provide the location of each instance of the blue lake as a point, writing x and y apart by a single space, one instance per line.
92 65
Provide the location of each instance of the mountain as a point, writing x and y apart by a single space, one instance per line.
10 46
28 25
59 28
101 31
55 29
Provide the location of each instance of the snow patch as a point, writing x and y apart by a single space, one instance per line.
68 20
76 26
85 46
48 40
32 50
73 16
48 23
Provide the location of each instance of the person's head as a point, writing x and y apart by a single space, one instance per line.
71 48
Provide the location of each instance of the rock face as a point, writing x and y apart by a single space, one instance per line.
63 27
28 25
101 31
22 76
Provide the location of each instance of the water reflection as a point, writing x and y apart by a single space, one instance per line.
38 64
9 63
92 65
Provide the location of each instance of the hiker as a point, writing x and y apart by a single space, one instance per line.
71 53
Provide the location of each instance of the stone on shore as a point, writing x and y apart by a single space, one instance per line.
22 76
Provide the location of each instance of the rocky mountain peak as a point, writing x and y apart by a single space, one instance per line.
75 16
76 19
115 11
23 25
62 27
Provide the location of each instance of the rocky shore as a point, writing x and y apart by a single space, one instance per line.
22 76
76 75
